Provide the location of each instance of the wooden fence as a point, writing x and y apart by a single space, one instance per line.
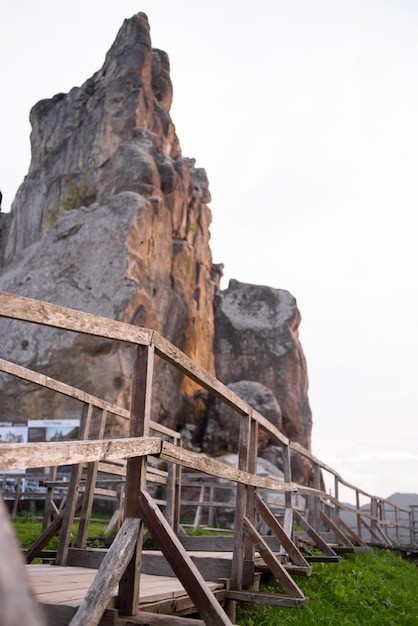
266 535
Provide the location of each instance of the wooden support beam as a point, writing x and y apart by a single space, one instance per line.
271 599
276 568
337 530
353 535
206 604
319 542
291 549
92 471
78 394
108 575
136 471
45 537
73 490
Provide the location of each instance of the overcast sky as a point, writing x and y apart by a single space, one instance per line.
304 114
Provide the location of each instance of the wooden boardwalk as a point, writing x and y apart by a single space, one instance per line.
63 586
119 586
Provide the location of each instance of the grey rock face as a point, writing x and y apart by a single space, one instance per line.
222 430
113 220
256 338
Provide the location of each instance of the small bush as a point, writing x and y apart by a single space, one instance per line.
78 193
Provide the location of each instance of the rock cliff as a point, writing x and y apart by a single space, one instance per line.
113 220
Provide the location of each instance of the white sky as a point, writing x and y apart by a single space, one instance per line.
304 114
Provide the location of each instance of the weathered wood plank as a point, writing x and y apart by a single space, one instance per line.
78 394
291 549
29 310
61 615
46 536
108 575
172 354
73 490
207 543
90 488
154 619
274 564
62 388
210 466
336 529
181 605
184 568
211 566
316 537
353 535
17 602
267 598
27 455
136 469
241 504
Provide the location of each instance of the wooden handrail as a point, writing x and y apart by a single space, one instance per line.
46 381
26 309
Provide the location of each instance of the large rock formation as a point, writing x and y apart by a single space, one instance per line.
256 338
113 220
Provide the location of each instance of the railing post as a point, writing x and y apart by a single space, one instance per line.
237 567
136 472
73 490
398 541
337 497
173 491
287 475
314 503
91 479
252 469
358 515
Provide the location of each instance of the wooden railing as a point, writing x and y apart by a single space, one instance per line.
324 511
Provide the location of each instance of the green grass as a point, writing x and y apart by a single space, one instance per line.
374 588
27 529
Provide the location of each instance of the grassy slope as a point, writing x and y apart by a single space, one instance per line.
376 588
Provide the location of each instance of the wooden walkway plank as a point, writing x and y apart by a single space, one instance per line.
108 575
154 619
186 571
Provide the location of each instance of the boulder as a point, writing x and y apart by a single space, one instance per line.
256 338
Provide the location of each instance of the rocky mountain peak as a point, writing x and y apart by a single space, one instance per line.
113 220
